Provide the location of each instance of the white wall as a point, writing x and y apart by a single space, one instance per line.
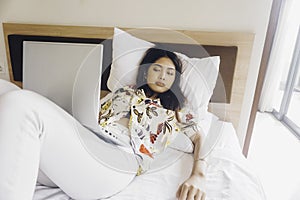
212 15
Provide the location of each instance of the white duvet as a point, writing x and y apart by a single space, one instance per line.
229 175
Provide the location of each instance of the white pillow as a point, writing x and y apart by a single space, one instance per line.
127 53
198 79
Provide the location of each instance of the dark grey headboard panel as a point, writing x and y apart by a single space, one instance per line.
227 54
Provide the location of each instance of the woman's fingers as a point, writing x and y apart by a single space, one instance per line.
178 191
195 194
190 193
203 196
200 195
183 192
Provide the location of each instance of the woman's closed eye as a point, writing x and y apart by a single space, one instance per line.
171 72
157 69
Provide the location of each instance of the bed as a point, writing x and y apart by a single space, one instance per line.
229 175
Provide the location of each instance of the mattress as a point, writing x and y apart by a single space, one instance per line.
229 174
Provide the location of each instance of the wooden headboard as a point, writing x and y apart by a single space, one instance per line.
234 50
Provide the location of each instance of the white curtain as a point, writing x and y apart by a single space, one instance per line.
281 56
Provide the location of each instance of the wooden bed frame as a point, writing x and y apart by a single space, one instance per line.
228 110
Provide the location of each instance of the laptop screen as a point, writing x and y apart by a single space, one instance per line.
68 74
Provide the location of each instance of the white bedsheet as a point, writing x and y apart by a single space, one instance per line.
229 176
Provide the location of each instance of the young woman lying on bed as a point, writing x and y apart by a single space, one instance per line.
36 134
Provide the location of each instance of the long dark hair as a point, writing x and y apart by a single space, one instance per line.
173 98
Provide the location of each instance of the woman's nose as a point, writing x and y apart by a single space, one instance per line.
162 75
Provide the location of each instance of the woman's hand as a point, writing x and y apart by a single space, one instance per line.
192 188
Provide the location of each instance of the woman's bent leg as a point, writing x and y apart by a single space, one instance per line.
35 132
20 134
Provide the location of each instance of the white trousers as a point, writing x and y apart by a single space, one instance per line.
37 134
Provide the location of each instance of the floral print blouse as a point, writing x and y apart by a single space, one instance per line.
151 127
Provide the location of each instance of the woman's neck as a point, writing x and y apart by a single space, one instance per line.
154 96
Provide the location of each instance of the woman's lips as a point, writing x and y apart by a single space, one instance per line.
160 84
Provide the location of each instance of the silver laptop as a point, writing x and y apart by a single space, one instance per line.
69 74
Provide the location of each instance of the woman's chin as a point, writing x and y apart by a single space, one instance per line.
158 89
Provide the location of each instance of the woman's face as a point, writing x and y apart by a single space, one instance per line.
161 75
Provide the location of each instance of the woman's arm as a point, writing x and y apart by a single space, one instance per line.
193 187
200 164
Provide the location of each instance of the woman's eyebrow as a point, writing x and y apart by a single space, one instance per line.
171 68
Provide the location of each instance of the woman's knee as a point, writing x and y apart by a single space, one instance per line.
6 86
27 110
20 101
17 98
